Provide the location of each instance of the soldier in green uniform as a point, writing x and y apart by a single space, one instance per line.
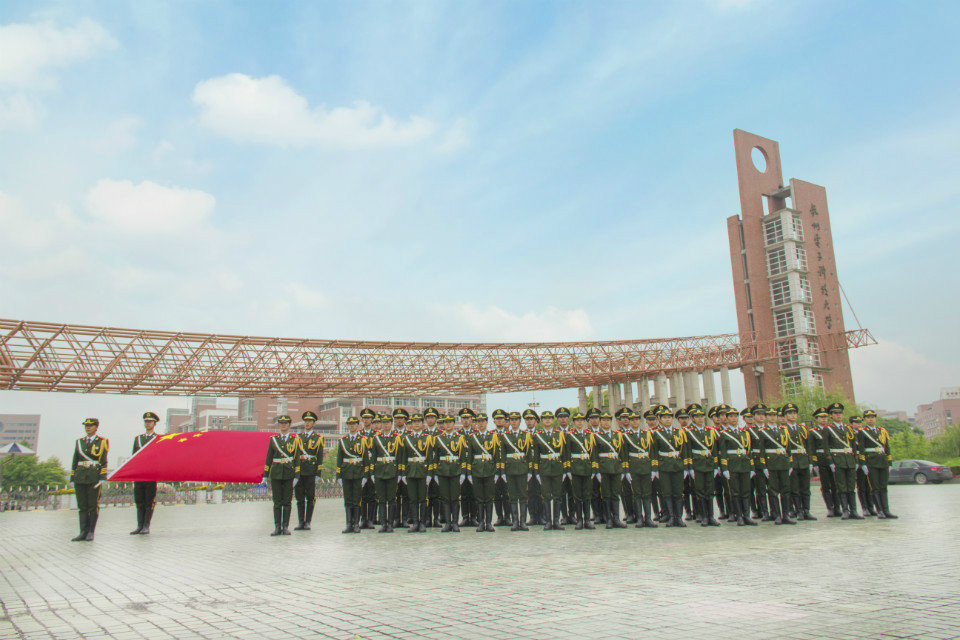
638 463
311 464
608 446
733 449
145 493
549 453
400 419
691 509
801 460
531 424
87 473
594 417
863 482
758 482
840 452
431 418
517 448
580 462
703 463
384 447
659 504
369 423
828 488
281 469
775 455
468 502
500 497
450 460
483 456
720 484
670 450
562 415
352 456
622 425
416 458
873 443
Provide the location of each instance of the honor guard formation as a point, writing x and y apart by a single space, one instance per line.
556 468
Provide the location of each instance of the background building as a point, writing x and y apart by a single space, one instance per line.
17 427
934 417
784 274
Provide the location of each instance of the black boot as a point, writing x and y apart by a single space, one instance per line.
435 513
285 513
91 525
678 512
785 499
140 510
301 515
367 516
416 513
630 511
668 516
277 521
737 508
732 513
854 514
147 517
481 521
615 514
578 516
473 520
555 509
348 514
423 519
392 521
356 519
607 514
844 508
708 519
688 508
587 519
775 510
765 514
722 505
875 500
523 517
885 506
755 504
382 516
83 528
805 508
648 521
548 526
445 512
745 506
308 516
454 517
515 516
833 509
488 518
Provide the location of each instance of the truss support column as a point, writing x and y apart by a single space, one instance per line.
691 387
709 389
628 394
681 392
643 393
598 396
660 388
725 385
582 399
615 399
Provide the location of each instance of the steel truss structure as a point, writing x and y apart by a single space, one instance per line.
40 356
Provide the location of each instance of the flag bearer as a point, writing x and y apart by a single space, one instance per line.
145 493
281 468
311 464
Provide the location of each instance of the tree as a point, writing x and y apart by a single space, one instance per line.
808 398
947 444
893 425
907 445
606 399
23 471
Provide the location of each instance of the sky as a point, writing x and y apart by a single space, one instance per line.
508 171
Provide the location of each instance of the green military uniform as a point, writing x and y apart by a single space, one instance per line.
863 480
87 473
721 487
759 495
623 417
608 446
802 463
468 501
517 447
549 453
311 464
500 498
775 455
828 487
368 494
534 489
840 452
703 463
415 461
579 464
352 457
144 493
636 451
566 491
733 449
282 467
873 444
484 456
670 451
385 467
450 461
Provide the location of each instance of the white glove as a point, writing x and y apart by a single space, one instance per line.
810 469
596 476
726 474
716 472
295 481
833 467
865 469
363 483
265 480
752 473
98 484
766 472
654 475
463 478
340 481
625 476
402 479
568 476
687 473
529 477
538 478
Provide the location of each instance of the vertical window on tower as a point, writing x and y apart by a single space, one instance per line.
743 240
749 297
789 353
777 261
818 378
790 383
784 323
780 291
773 231
801 259
746 273
805 294
797 227
809 325
813 352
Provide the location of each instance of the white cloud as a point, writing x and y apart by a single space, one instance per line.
32 51
917 378
148 207
119 135
32 230
493 323
19 112
268 111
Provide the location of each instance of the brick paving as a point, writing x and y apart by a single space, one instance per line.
211 571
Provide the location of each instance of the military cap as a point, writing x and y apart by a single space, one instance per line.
562 412
744 412
530 413
430 411
856 420
513 415
499 413
695 410
448 419
681 413
606 416
694 405
467 412
416 418
759 408
91 422
820 411
353 420
712 411
579 416
650 413
663 411
150 415
731 411
869 413
400 412
593 412
833 408
546 414
284 419
368 413
722 408
787 408
481 417
308 415
621 411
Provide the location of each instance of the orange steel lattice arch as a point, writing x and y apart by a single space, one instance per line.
40 356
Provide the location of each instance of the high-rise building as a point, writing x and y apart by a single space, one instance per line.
16 427
784 275
934 417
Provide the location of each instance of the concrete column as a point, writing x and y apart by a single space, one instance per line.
614 397
709 389
725 385
691 387
660 388
679 393
582 399
598 396
628 394
643 393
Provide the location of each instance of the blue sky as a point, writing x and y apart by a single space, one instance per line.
506 170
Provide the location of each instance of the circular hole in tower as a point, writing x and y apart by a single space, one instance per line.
759 159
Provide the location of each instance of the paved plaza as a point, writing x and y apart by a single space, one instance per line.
212 571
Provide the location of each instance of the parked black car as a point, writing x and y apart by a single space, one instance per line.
919 472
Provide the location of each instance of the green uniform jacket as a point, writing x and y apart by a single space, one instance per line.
607 447
703 449
311 454
815 444
142 440
517 452
581 453
483 454
283 458
416 455
353 454
89 460
670 450
755 454
637 448
774 450
799 437
450 454
550 452
384 455
874 447
840 445
733 448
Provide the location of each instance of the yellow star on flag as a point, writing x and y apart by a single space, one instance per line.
182 440
169 436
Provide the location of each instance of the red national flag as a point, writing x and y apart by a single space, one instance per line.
205 456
